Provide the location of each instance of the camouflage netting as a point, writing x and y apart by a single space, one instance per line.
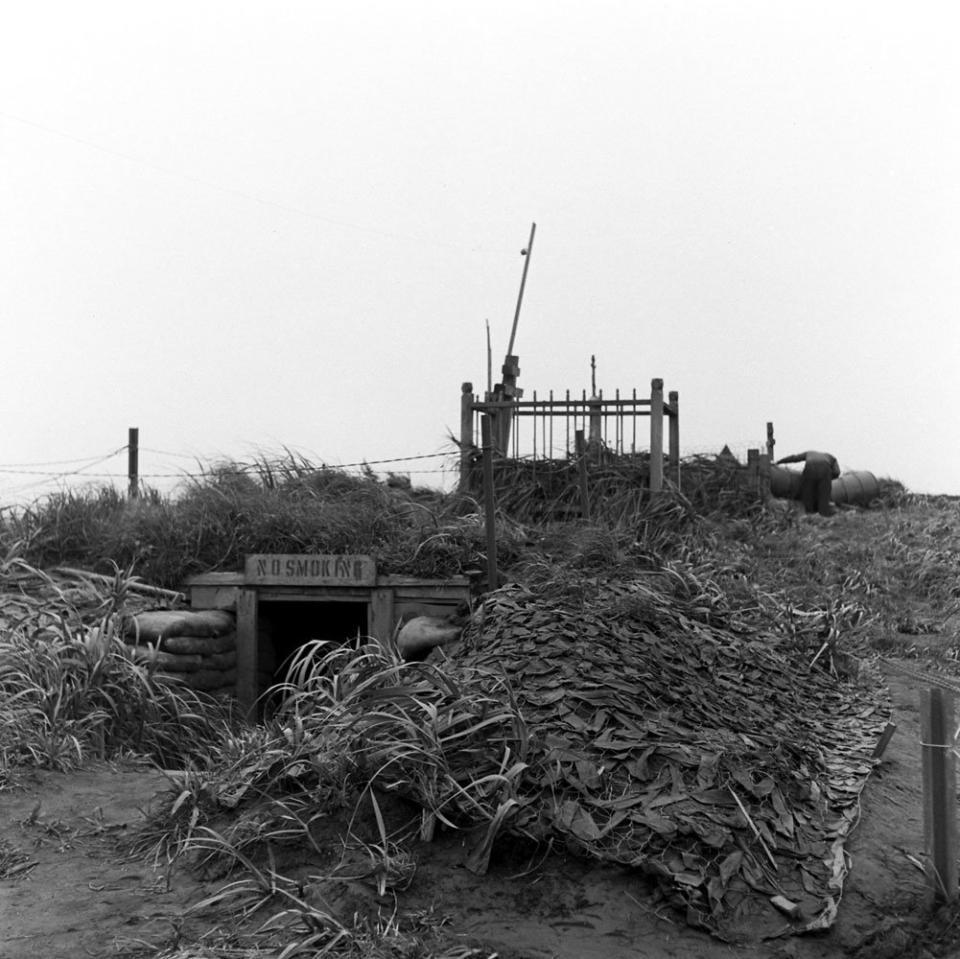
714 759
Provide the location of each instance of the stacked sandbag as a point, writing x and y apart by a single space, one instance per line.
196 647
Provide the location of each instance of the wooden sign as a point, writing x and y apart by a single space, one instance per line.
281 569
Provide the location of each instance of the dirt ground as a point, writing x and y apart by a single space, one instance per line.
67 889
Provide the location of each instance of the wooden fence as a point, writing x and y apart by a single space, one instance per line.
547 428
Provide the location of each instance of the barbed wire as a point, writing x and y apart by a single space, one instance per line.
13 470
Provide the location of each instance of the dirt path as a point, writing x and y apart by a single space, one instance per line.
67 890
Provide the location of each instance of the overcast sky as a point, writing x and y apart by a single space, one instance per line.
243 227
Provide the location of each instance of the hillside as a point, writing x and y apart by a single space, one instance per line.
696 700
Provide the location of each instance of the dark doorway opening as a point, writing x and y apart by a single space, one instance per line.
284 627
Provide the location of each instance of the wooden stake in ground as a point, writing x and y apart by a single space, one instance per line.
939 791
489 499
581 448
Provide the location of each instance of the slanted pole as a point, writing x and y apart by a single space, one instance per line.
656 435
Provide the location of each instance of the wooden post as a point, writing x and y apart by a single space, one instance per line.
507 390
466 435
380 615
763 475
753 471
133 457
656 435
595 406
939 791
489 500
771 442
248 638
673 457
582 467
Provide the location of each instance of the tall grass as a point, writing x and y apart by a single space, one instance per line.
70 689
271 506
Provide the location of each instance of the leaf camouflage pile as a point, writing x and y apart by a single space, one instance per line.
716 760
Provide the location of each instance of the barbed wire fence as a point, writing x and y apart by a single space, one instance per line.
22 483
25 482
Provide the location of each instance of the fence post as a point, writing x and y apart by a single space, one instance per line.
674 438
466 434
595 419
582 468
939 791
656 435
771 442
753 471
133 456
489 500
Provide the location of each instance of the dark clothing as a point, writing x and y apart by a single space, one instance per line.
816 481
815 486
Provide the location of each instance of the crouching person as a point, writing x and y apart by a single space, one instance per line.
816 481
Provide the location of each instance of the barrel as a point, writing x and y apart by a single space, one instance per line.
857 487
784 483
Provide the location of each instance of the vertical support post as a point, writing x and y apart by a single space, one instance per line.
582 468
939 791
656 435
771 442
489 501
673 458
466 434
595 441
380 615
753 471
248 653
507 391
763 476
133 458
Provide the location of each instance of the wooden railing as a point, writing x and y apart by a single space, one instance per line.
547 428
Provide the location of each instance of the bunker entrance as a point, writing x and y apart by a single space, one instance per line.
284 627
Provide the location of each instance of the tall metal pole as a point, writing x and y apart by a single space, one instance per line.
526 253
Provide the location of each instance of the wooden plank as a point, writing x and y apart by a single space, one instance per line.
398 581
215 579
213 597
380 615
939 791
317 594
291 569
248 689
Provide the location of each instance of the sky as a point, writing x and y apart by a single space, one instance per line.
249 228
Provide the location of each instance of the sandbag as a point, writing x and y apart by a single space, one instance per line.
158 624
200 645
207 679
423 633
151 656
225 660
